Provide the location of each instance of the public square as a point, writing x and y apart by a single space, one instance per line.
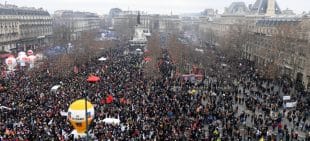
242 74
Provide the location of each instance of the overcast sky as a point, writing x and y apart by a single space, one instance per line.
150 6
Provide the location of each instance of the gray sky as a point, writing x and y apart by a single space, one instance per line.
150 6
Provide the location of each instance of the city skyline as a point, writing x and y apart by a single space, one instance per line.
150 6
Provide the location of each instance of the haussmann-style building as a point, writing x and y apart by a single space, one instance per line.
23 28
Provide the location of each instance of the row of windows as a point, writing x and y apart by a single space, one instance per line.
8 31
8 17
36 30
15 24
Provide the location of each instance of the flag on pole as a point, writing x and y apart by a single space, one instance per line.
109 99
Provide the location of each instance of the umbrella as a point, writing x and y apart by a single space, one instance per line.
93 79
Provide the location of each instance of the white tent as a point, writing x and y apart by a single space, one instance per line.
111 121
102 59
55 88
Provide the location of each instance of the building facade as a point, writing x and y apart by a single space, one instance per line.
170 24
267 37
24 28
283 42
124 24
126 21
70 25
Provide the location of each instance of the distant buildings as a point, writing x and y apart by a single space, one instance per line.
288 12
114 12
266 36
265 7
237 8
23 28
208 12
283 42
169 24
69 25
126 21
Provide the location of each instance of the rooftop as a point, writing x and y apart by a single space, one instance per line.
9 9
277 21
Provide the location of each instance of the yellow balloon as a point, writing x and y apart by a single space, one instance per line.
76 115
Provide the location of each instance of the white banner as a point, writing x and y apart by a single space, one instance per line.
286 97
291 104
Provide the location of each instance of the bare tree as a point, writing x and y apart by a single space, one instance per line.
61 35
154 52
232 41
85 49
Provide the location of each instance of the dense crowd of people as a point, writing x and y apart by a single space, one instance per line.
224 106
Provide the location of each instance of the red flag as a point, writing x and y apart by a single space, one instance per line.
93 79
109 99
123 100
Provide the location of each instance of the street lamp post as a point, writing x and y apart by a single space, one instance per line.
91 79
86 118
